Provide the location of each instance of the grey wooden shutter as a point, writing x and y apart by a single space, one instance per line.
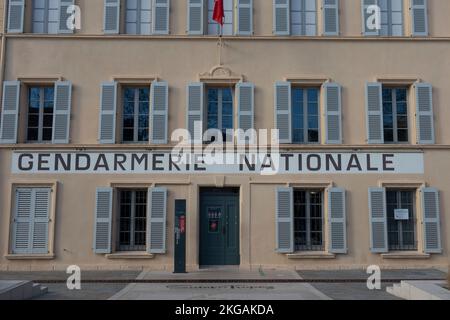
22 221
374 113
16 9
281 17
246 105
61 114
337 220
378 220
107 118
283 111
159 112
111 17
195 17
103 220
10 113
419 17
330 17
333 113
365 16
63 16
424 113
156 220
285 220
245 17
161 14
41 209
194 112
431 220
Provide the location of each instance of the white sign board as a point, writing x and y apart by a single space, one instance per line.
401 214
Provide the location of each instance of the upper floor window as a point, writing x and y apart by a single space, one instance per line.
219 113
299 113
138 16
389 113
143 17
305 115
391 17
135 114
40 114
238 18
45 16
300 17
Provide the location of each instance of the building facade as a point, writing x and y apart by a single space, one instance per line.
87 118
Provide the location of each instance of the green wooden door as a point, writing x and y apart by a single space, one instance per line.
219 228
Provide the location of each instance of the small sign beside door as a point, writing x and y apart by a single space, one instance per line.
401 214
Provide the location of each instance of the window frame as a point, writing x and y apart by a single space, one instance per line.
303 23
395 114
309 247
45 20
401 246
138 22
132 247
305 103
389 11
220 110
40 127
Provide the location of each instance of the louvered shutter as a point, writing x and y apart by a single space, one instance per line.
107 118
419 17
61 114
195 17
365 4
378 220
330 17
424 113
285 220
281 17
194 112
161 14
245 17
333 113
111 17
103 220
9 120
337 220
159 112
246 105
431 220
283 111
63 16
374 113
16 9
41 209
156 220
22 221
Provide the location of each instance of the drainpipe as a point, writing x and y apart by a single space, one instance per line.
3 52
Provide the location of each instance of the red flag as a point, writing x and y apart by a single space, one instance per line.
219 13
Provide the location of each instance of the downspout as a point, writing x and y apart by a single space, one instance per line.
3 51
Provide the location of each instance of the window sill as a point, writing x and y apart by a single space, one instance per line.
30 256
405 255
311 255
130 255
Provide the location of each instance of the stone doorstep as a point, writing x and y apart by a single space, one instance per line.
420 290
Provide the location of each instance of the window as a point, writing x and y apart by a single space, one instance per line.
31 220
214 27
138 16
395 115
45 16
401 228
132 220
135 125
305 115
220 110
303 17
391 17
40 114
308 220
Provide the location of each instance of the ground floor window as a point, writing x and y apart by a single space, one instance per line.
401 219
132 220
308 220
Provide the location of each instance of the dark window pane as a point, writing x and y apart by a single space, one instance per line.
313 95
387 95
387 108
298 136
388 121
389 135
227 95
33 120
402 108
143 122
227 122
402 122
143 108
313 135
402 135
297 95
35 94
144 94
227 108
34 106
401 94
49 94
128 135
48 121
128 94
128 108
143 135
213 95
47 134
212 108
32 134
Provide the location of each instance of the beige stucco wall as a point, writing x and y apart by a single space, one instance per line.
88 58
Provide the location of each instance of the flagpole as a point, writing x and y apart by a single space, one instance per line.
220 45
